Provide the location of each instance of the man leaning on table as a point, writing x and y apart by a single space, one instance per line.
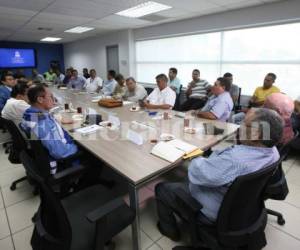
162 97
220 104
210 178
134 91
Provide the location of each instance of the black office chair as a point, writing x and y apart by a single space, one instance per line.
18 144
6 145
177 101
237 106
85 220
149 90
241 220
277 188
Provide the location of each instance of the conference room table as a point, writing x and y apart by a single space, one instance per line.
134 162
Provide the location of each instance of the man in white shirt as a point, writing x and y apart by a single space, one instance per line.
94 83
17 104
162 97
134 92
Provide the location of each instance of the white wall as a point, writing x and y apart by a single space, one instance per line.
91 52
277 12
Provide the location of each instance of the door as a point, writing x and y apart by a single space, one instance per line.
112 58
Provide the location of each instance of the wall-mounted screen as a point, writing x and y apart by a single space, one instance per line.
17 58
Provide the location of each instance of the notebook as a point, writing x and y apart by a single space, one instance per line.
173 150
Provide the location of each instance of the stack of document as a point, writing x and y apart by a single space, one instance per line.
173 150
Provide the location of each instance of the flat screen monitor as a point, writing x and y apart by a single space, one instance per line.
17 58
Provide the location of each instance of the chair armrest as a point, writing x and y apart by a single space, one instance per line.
104 210
68 172
70 158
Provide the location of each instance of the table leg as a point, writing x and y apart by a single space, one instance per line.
134 204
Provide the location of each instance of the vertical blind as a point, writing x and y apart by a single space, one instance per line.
249 54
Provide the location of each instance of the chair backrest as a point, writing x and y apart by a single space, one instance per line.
51 217
41 157
242 211
19 143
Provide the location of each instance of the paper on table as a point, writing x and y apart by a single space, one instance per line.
184 146
135 137
88 130
127 102
167 152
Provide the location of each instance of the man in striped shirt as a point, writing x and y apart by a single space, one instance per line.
196 92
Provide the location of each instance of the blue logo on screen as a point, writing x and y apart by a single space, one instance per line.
17 58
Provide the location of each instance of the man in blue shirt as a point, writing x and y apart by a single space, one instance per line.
110 84
220 104
210 178
38 121
174 81
76 81
5 89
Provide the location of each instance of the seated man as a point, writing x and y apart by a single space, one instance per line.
17 104
210 178
119 90
134 91
234 89
284 106
259 97
196 92
76 81
85 73
94 83
162 97
36 76
110 84
261 93
219 105
68 76
5 89
50 75
38 121
174 81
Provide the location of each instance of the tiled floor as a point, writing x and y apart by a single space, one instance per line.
17 208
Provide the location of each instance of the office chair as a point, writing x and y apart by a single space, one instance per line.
237 106
6 145
85 220
18 144
149 90
177 101
241 220
277 188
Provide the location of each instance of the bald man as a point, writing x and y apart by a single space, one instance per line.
284 106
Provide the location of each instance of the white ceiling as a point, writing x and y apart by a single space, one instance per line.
20 19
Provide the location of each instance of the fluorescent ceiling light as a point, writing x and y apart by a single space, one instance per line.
50 39
144 9
79 29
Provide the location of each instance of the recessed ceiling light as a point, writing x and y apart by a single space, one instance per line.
79 29
50 39
144 9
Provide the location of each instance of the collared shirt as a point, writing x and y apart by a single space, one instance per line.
210 178
38 78
59 79
14 110
139 93
261 94
53 137
234 91
176 84
4 95
77 83
92 84
49 76
165 96
109 86
220 106
200 89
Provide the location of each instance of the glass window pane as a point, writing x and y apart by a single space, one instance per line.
193 48
279 42
250 76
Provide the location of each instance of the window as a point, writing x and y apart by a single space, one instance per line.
249 54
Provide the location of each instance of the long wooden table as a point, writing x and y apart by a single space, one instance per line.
133 162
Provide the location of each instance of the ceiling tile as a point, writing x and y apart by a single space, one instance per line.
190 5
34 5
